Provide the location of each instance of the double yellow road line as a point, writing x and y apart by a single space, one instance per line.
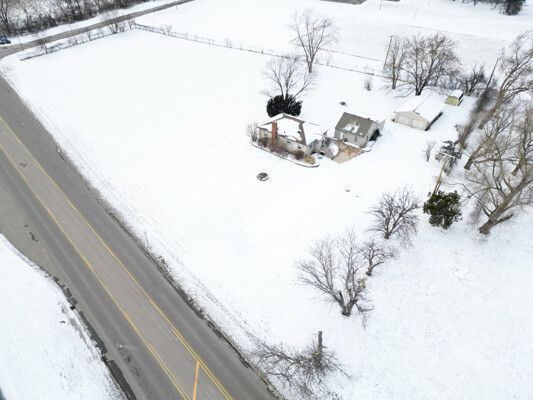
200 365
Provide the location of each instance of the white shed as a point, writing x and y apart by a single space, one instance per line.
419 112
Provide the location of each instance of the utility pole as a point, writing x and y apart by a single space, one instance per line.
388 50
492 74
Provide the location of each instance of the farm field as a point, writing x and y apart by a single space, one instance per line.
158 126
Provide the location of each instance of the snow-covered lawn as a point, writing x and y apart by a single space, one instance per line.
45 351
158 125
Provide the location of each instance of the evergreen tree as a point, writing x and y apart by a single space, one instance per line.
281 104
443 208
513 7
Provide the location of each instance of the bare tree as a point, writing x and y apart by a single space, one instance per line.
375 253
495 137
298 369
471 81
430 144
428 60
313 33
504 183
5 14
333 269
288 77
516 69
395 215
394 60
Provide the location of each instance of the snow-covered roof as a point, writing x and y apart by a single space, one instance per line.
427 107
457 93
354 124
295 128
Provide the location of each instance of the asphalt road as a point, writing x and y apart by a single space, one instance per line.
163 349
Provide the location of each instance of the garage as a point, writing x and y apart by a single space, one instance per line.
419 112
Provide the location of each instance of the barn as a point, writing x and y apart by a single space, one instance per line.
419 112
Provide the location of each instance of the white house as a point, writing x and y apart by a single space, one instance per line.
293 134
419 112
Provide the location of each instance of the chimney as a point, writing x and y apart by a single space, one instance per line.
274 130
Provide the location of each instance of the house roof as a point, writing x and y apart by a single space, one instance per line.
354 124
295 128
427 107
456 93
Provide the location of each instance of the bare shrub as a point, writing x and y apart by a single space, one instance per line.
367 84
114 24
41 41
299 154
302 370
262 141
428 149
277 146
167 29
395 215
251 131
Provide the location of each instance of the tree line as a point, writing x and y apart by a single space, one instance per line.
509 7
21 16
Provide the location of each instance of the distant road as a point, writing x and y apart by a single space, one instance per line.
162 348
15 48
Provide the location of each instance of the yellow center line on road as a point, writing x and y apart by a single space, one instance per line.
176 332
91 268
196 373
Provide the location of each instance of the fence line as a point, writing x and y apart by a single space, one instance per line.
167 31
76 40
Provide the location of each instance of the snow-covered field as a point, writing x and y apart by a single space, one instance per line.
45 351
364 30
158 125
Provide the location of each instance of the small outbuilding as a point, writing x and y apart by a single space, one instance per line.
293 134
455 98
419 112
356 130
